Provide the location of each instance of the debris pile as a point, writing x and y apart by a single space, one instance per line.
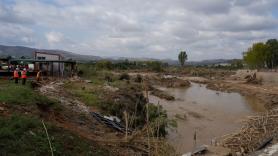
242 74
252 78
110 123
256 133
172 82
55 90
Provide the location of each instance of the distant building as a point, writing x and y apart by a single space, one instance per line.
52 68
50 64
223 64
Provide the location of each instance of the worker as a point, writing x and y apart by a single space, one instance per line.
16 75
38 78
24 76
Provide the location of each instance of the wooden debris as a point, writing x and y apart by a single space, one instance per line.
253 79
256 133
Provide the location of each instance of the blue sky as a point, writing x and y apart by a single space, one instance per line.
140 28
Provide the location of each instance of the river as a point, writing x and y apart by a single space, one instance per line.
205 114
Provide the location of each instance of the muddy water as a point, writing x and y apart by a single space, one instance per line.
207 113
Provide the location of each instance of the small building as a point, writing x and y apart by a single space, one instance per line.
50 64
47 63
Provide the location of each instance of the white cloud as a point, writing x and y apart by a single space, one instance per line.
140 28
54 37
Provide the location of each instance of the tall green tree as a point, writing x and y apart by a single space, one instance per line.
256 56
182 57
272 53
262 55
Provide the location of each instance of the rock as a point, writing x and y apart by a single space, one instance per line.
88 81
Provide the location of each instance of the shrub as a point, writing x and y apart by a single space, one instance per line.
138 78
80 73
104 65
157 114
108 77
155 66
124 76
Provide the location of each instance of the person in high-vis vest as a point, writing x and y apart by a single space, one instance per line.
16 75
24 76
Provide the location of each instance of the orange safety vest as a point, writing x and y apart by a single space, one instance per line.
24 74
16 74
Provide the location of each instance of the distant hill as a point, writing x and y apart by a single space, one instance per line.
19 51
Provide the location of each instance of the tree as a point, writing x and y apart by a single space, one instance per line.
182 57
256 55
236 64
155 66
104 64
262 55
272 53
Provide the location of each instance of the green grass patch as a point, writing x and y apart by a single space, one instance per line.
16 94
87 93
87 97
23 135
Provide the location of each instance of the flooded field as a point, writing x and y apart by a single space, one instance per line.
206 113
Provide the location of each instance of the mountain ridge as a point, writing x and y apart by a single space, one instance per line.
19 51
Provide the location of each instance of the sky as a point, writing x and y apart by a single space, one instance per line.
205 29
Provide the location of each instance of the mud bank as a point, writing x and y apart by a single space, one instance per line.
167 81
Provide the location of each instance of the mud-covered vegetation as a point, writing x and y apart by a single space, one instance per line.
118 94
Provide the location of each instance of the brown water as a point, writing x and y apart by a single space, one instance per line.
209 113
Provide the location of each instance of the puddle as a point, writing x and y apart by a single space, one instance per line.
207 113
